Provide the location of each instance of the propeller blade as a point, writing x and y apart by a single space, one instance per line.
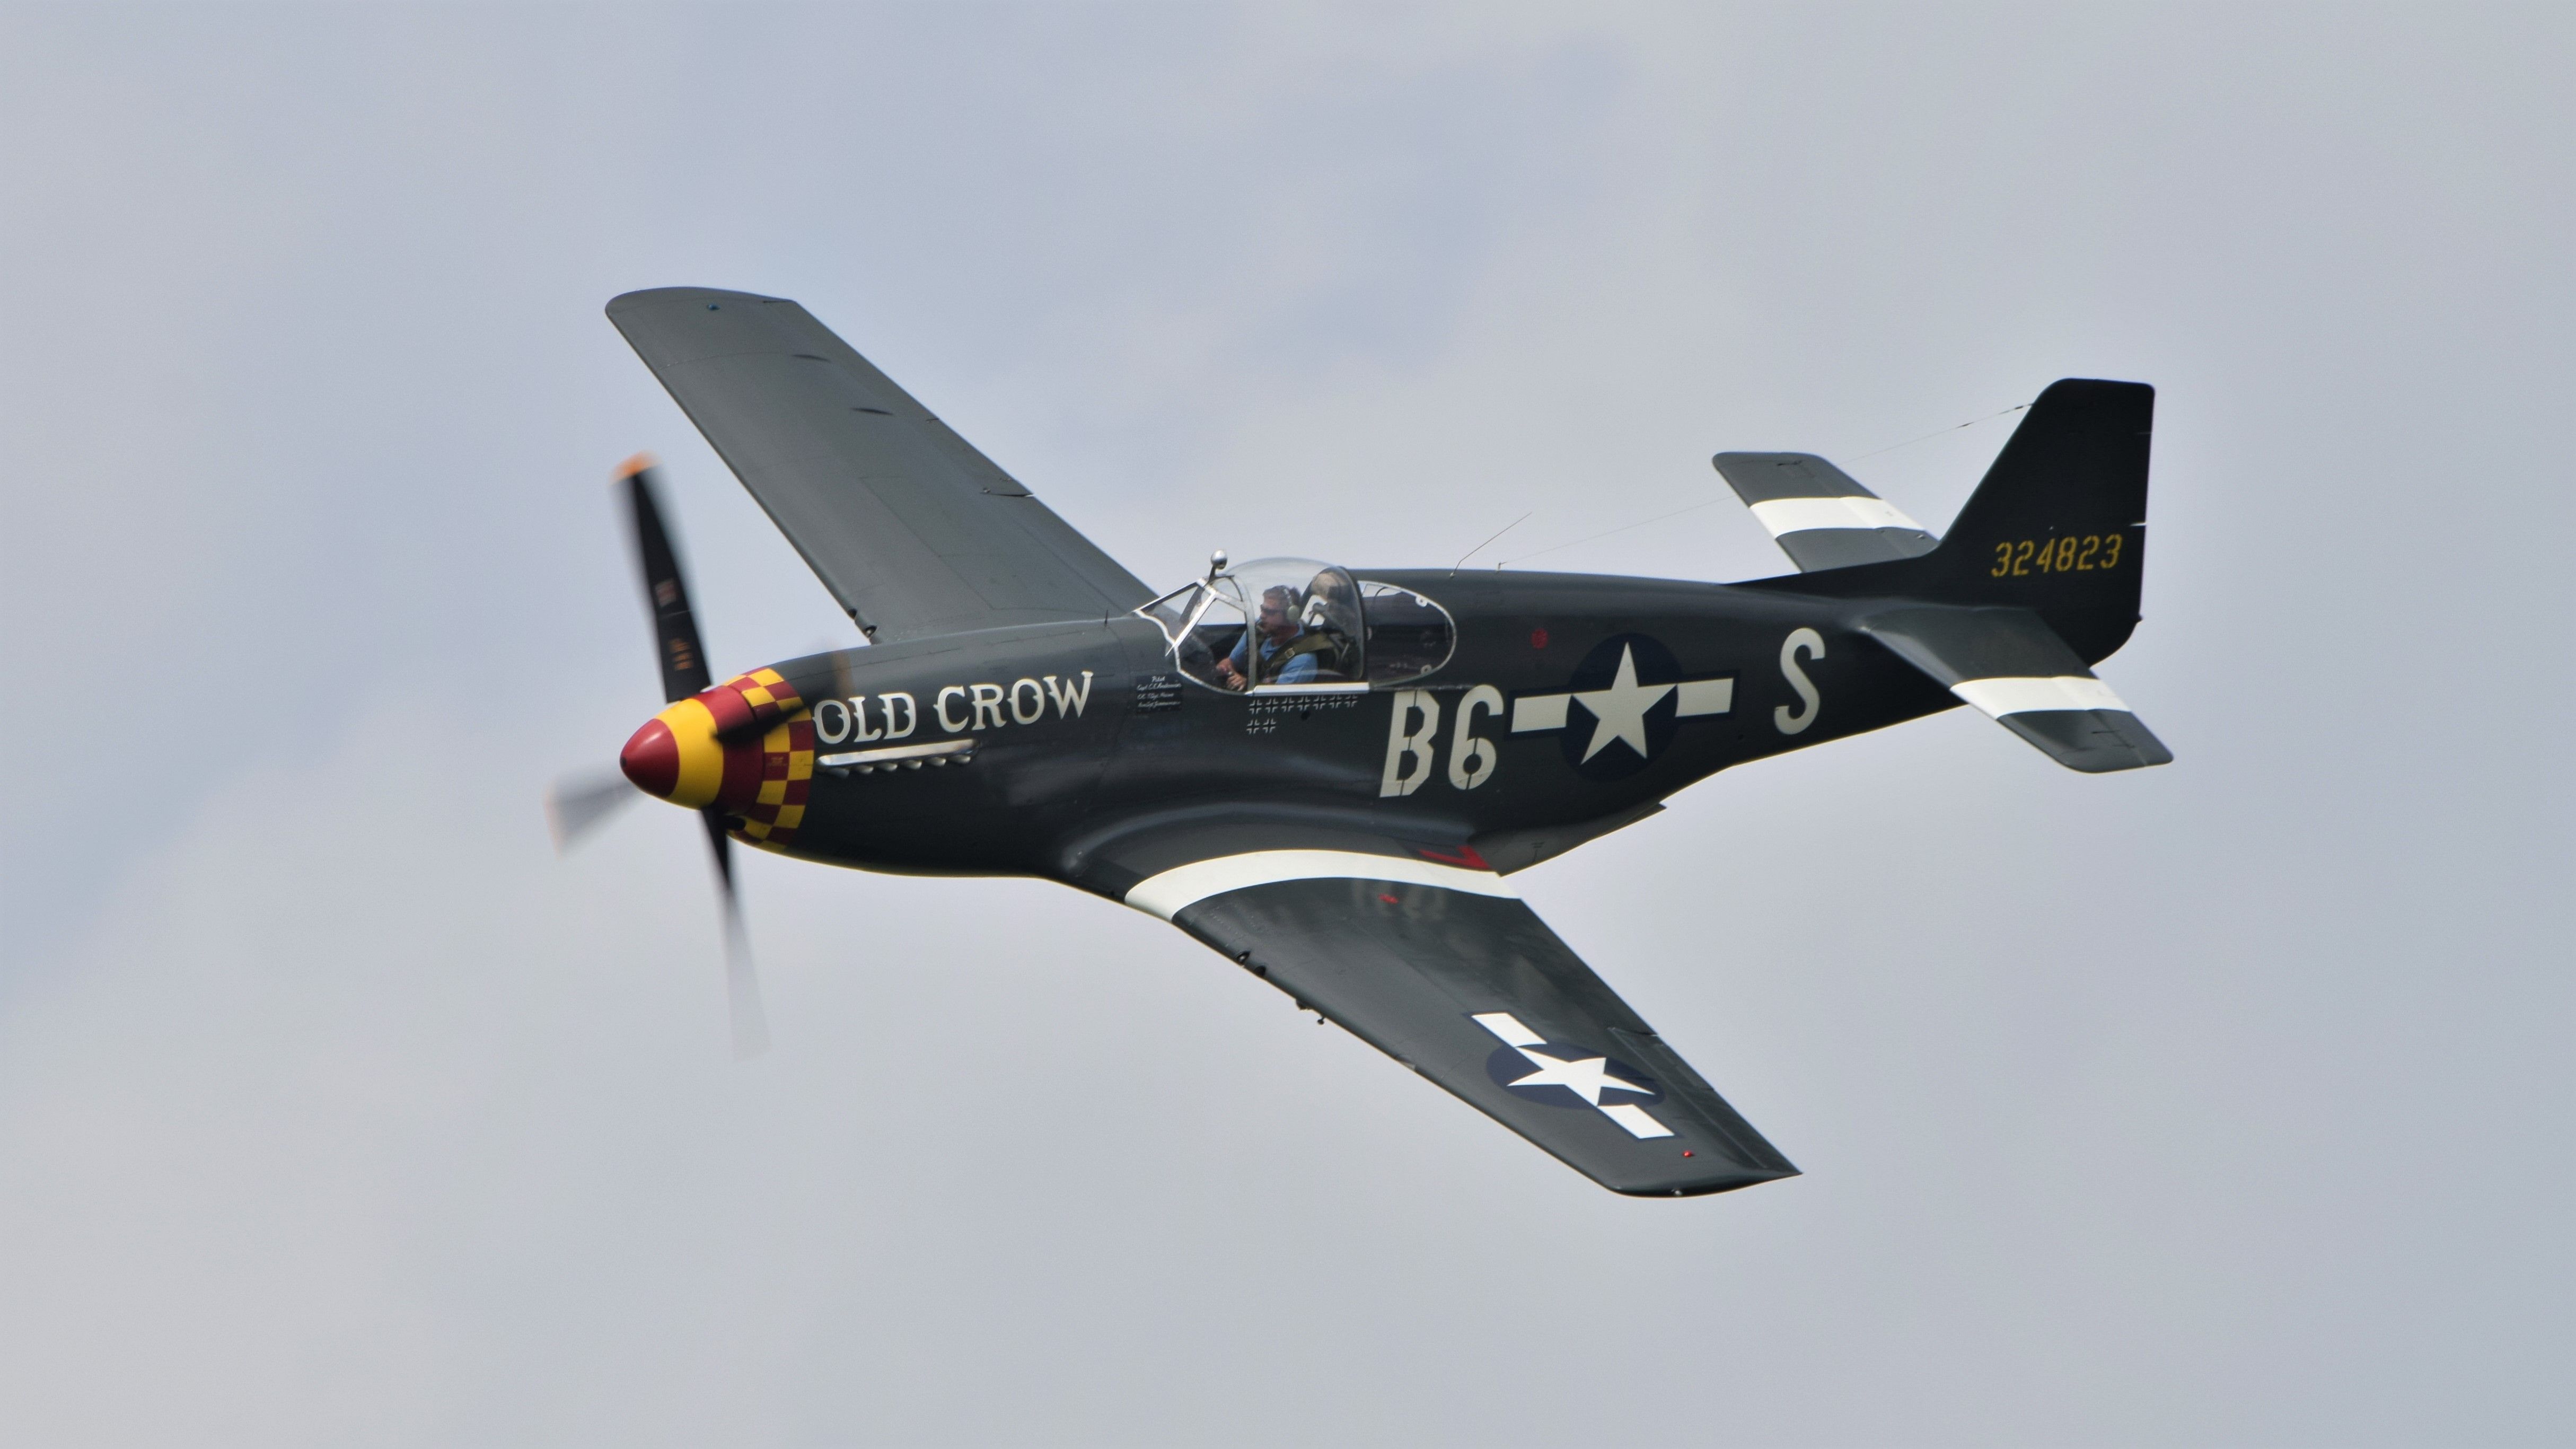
742 982
576 804
683 659
666 590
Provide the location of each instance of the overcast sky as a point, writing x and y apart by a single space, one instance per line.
2227 1103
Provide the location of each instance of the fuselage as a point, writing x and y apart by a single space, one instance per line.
1567 701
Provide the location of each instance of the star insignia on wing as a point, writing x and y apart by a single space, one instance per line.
1585 1077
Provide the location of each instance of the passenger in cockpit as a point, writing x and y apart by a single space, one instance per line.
1287 651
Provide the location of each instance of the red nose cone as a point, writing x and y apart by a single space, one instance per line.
652 759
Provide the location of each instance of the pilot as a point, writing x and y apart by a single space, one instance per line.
1287 650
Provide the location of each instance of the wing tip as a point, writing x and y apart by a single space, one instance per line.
1704 1186
645 296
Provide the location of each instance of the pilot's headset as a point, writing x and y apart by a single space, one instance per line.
1289 604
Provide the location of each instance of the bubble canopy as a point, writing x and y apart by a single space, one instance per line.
1295 625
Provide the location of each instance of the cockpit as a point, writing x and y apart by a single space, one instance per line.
1291 625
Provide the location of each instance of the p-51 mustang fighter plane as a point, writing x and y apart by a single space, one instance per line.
1329 775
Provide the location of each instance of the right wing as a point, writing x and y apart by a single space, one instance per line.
1819 515
1441 967
914 531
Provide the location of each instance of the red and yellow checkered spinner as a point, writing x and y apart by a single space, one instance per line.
710 750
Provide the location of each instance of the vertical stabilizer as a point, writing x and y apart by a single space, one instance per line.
2059 525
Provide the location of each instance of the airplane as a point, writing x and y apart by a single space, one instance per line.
1330 775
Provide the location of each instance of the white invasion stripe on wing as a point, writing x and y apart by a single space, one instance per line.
1797 515
2000 697
1183 886
1507 1026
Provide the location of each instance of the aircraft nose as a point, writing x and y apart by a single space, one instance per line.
677 757
712 748
652 759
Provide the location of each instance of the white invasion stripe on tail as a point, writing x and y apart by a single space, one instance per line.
2000 697
1797 515
1176 890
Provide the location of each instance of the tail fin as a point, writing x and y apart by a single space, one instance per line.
2058 527
2059 524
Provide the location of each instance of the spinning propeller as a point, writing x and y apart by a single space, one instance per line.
576 807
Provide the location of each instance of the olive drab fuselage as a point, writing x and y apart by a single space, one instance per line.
1005 751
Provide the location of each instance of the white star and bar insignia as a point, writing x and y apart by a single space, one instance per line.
1619 712
1587 1077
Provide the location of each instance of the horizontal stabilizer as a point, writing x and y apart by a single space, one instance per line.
2016 671
1820 516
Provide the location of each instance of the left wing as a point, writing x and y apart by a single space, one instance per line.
914 531
1430 957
